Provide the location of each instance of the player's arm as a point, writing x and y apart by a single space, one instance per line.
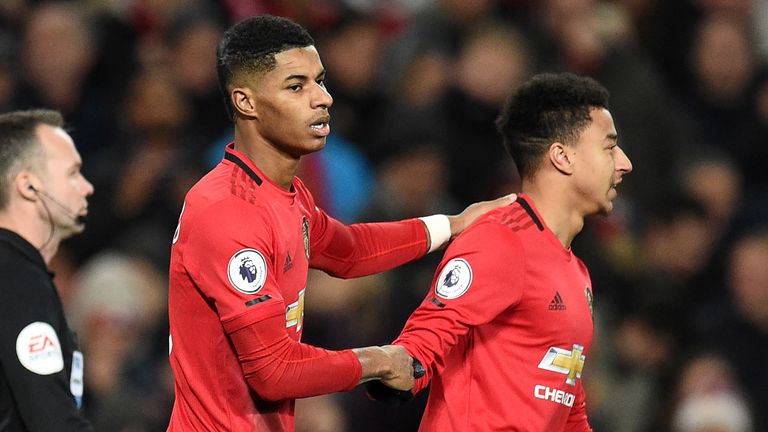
361 249
236 272
480 276
278 367
32 361
577 419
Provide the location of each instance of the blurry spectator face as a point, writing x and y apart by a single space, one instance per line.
492 64
560 12
353 55
679 246
425 80
467 10
155 103
749 278
740 7
723 61
194 58
416 175
717 185
640 345
57 47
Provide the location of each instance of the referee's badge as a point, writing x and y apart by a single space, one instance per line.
38 349
454 280
247 271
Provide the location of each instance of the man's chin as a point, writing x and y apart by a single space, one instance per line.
72 230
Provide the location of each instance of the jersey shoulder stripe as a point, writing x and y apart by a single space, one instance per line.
520 217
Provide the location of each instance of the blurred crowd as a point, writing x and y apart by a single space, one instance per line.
680 269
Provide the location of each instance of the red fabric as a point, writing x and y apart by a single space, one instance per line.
215 294
483 349
277 367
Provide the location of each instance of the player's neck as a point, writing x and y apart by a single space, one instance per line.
555 207
277 166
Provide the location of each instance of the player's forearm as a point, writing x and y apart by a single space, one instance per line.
363 249
277 367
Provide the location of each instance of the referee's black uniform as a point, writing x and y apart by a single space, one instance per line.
41 369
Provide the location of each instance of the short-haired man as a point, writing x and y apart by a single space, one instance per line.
43 200
507 326
247 235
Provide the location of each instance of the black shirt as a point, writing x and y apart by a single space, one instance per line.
40 390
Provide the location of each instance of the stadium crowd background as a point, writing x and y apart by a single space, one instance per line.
680 269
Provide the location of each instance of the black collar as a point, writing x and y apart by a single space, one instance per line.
527 207
22 245
243 165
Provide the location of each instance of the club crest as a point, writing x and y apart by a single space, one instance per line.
305 234
454 279
247 271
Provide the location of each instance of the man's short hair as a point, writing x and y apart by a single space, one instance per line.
547 108
249 48
19 144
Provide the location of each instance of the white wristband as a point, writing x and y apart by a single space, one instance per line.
439 228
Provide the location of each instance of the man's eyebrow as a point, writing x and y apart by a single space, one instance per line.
612 137
302 77
298 77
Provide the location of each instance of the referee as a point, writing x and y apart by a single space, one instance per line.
43 200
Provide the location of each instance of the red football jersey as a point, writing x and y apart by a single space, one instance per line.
505 330
240 255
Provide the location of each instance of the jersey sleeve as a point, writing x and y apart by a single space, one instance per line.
232 263
480 276
31 355
278 367
362 249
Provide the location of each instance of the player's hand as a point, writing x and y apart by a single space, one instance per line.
464 219
400 376
378 391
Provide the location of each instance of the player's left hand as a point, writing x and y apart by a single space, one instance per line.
464 219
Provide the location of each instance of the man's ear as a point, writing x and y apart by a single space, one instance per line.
24 183
560 158
244 102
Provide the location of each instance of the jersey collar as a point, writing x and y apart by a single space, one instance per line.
243 162
530 208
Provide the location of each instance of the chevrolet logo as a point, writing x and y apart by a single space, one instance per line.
294 314
566 362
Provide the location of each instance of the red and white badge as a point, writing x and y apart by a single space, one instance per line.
39 350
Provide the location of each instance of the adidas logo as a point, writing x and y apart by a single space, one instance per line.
557 303
288 263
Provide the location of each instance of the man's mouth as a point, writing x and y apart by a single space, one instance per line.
322 126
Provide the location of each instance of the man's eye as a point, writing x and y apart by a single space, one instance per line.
295 87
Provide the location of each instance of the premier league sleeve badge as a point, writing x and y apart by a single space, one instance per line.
247 271
454 279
